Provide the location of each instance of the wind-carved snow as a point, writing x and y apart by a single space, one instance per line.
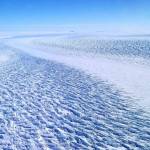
122 63
48 105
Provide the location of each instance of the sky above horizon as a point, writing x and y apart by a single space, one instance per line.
98 14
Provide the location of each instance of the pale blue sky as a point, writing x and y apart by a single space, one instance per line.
101 14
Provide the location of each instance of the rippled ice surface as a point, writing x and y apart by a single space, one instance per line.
47 105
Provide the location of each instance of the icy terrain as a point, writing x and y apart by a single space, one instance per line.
3 58
70 96
122 61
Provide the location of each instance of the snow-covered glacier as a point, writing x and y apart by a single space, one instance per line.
74 91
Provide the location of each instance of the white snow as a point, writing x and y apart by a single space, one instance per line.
45 103
3 58
129 75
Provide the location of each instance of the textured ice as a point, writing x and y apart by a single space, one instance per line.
123 62
47 105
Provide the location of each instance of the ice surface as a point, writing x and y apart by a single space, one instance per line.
71 99
123 63
48 105
3 58
5 55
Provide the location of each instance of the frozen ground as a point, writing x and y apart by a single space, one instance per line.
54 102
121 61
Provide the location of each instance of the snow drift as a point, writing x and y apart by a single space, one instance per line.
127 70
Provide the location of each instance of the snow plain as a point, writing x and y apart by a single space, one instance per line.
62 94
3 58
123 63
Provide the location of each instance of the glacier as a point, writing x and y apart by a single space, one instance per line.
123 62
69 91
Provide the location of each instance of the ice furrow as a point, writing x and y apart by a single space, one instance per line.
47 105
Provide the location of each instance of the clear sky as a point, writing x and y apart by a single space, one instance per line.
101 14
